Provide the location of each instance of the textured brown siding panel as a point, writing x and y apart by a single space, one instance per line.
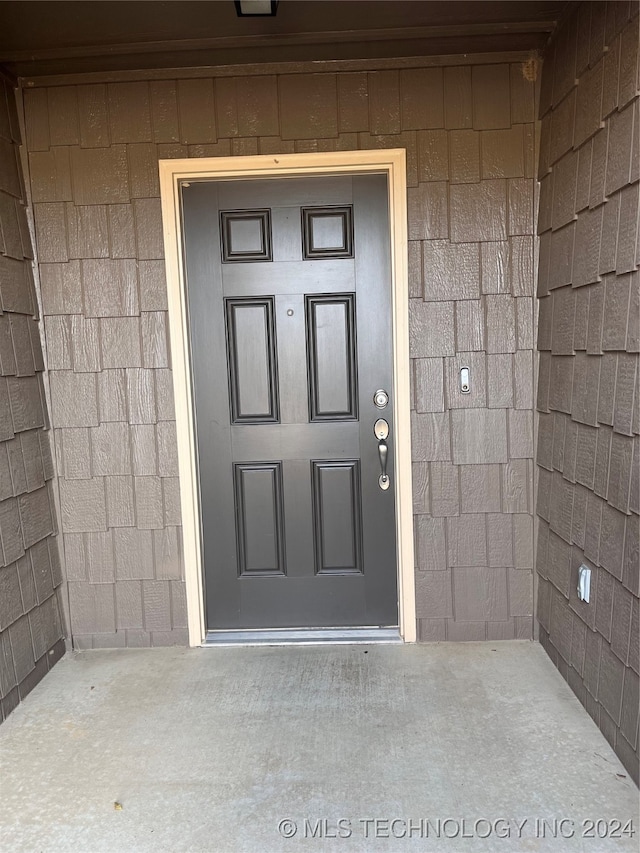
320 117
50 175
523 101
564 71
73 399
171 494
100 175
110 449
36 107
628 251
85 344
479 211
122 231
92 608
431 328
246 107
618 171
517 481
429 385
588 380
468 132
430 434
451 271
384 102
60 287
140 396
422 98
82 505
433 155
458 100
166 545
110 288
503 153
129 112
148 228
129 605
445 489
480 594
120 502
464 156
74 453
93 116
479 436
143 448
589 104
30 625
87 230
196 108
353 102
480 488
63 116
469 325
51 232
428 211
143 168
434 594
491 97
10 178
164 111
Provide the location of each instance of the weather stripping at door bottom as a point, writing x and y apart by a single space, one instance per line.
303 636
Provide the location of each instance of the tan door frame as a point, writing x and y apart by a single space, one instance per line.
391 162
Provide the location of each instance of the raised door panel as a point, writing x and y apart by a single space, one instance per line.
331 355
245 236
327 232
251 355
337 516
260 518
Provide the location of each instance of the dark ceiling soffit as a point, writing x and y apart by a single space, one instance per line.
327 57
11 79
281 40
256 69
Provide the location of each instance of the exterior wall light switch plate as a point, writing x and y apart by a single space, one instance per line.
465 384
584 583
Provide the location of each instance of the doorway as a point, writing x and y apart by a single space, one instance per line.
289 295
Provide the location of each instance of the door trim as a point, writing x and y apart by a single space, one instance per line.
392 163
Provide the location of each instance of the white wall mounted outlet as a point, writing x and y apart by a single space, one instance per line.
584 583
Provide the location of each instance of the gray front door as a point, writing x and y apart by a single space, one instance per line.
288 288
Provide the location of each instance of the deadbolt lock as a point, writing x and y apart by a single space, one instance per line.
381 399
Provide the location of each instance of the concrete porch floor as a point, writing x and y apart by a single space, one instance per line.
211 749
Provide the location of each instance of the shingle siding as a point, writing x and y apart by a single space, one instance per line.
30 618
588 401
469 136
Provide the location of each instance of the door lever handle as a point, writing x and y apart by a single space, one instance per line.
381 432
383 452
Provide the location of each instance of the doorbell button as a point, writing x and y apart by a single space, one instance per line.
465 385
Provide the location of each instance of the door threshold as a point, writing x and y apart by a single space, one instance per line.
302 636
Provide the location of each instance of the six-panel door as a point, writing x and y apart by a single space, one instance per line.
288 286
